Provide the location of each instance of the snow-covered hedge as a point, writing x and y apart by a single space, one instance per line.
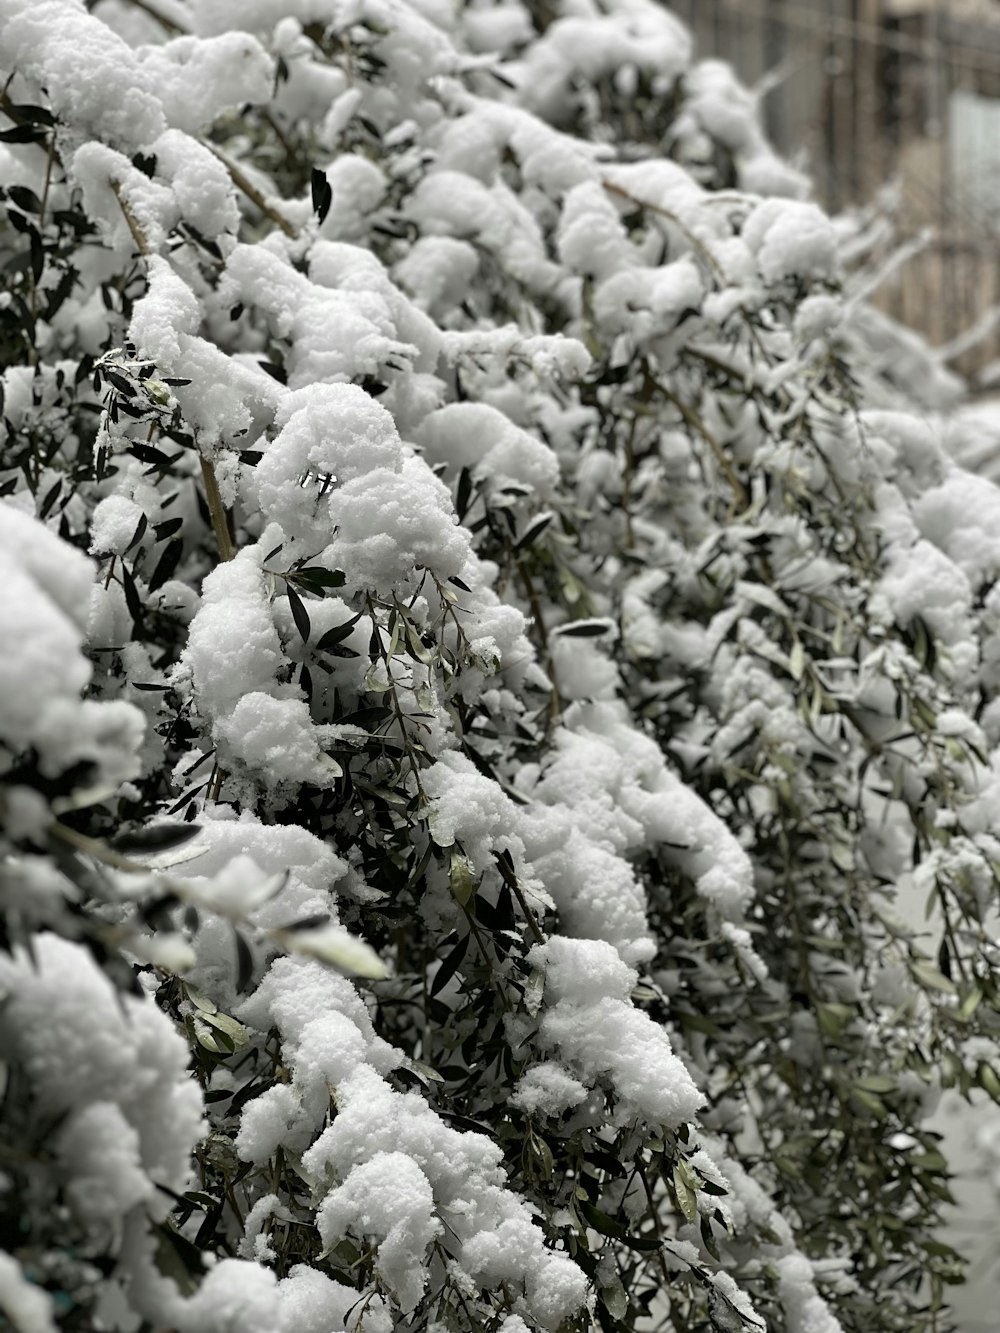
490 625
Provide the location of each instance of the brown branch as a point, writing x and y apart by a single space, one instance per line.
533 925
33 304
627 478
168 25
555 703
138 235
667 213
243 183
741 500
217 510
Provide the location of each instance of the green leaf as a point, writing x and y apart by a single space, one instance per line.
338 651
230 1027
299 613
505 864
833 1018
463 493
418 650
167 563
177 1258
462 879
600 1221
316 579
154 838
614 1298
441 837
132 599
23 134
533 531
322 194
572 589
763 596
244 963
201 1002
686 1191
450 965
337 635
375 683
52 495
218 1042
873 1104
929 1161
425 1071
723 1314
161 531
876 1083
26 111
385 795
543 1154
644 1244
334 945
586 629
928 975
988 1080
710 1187
534 991
924 712
708 1239
82 797
797 661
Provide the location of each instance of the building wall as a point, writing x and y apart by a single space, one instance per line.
868 90
871 91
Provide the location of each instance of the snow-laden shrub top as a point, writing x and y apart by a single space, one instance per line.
487 637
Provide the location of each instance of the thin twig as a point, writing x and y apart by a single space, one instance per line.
218 777
168 25
217 510
100 851
478 937
33 351
279 134
627 477
527 583
243 183
667 213
533 925
138 235
740 498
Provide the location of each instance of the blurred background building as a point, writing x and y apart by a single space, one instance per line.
897 103
871 93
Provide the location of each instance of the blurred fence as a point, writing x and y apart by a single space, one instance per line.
870 92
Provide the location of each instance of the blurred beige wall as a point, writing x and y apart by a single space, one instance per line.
868 93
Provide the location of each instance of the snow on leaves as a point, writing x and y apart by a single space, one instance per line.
511 567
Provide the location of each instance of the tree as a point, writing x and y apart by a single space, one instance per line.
486 645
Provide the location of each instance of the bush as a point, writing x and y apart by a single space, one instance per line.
491 629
